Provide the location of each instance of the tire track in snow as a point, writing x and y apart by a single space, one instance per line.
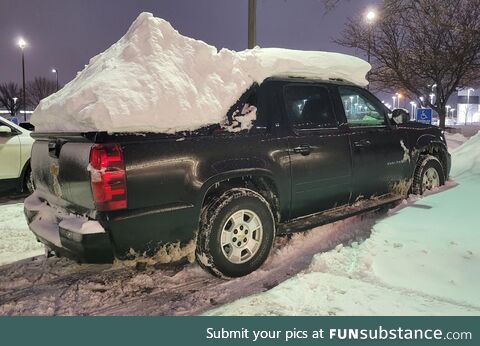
61 287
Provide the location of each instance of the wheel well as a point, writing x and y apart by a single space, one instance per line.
265 186
438 152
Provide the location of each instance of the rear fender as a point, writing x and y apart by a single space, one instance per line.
243 174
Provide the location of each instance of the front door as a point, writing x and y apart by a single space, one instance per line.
319 152
380 157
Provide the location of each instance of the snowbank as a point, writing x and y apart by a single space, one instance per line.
424 259
156 80
16 240
455 140
466 161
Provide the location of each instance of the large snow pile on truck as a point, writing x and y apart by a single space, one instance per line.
156 80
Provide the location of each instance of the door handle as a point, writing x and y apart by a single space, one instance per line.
364 143
303 149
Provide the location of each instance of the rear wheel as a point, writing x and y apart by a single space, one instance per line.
429 175
236 233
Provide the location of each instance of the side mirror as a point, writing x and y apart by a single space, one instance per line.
5 129
400 115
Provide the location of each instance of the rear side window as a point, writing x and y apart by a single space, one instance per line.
359 110
309 107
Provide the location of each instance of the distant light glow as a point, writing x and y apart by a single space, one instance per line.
371 16
21 43
54 70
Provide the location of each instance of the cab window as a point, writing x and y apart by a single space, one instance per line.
359 110
309 107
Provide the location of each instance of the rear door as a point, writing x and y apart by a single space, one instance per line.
379 154
319 151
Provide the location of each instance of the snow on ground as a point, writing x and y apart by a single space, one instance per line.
422 260
16 240
61 287
154 79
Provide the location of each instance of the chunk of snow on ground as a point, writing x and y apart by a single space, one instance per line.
156 80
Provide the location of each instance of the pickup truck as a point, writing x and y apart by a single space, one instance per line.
15 147
317 151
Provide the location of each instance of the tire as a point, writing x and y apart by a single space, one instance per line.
246 221
428 168
28 185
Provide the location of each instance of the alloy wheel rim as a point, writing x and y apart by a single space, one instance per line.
431 179
241 236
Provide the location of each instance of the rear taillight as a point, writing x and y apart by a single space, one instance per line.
107 177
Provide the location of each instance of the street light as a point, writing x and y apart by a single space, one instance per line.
14 104
414 105
54 70
468 104
370 19
399 96
371 16
22 44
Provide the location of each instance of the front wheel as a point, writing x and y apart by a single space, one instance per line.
429 175
236 233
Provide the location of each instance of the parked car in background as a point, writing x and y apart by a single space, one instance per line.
15 149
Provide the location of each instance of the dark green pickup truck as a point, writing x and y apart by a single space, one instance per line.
318 151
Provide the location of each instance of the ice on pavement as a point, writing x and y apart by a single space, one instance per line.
422 260
156 80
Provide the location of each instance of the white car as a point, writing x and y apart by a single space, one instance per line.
15 148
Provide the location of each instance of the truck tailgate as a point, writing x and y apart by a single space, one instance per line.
60 171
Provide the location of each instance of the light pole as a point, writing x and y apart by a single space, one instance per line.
432 95
252 23
370 19
468 104
394 98
14 105
54 70
22 44
414 105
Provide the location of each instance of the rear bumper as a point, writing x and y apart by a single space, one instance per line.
69 235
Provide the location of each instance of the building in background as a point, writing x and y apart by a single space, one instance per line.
468 108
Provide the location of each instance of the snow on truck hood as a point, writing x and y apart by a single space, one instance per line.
156 80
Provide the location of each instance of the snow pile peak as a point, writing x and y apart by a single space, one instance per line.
466 159
156 80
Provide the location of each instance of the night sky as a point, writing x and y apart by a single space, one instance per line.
65 34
